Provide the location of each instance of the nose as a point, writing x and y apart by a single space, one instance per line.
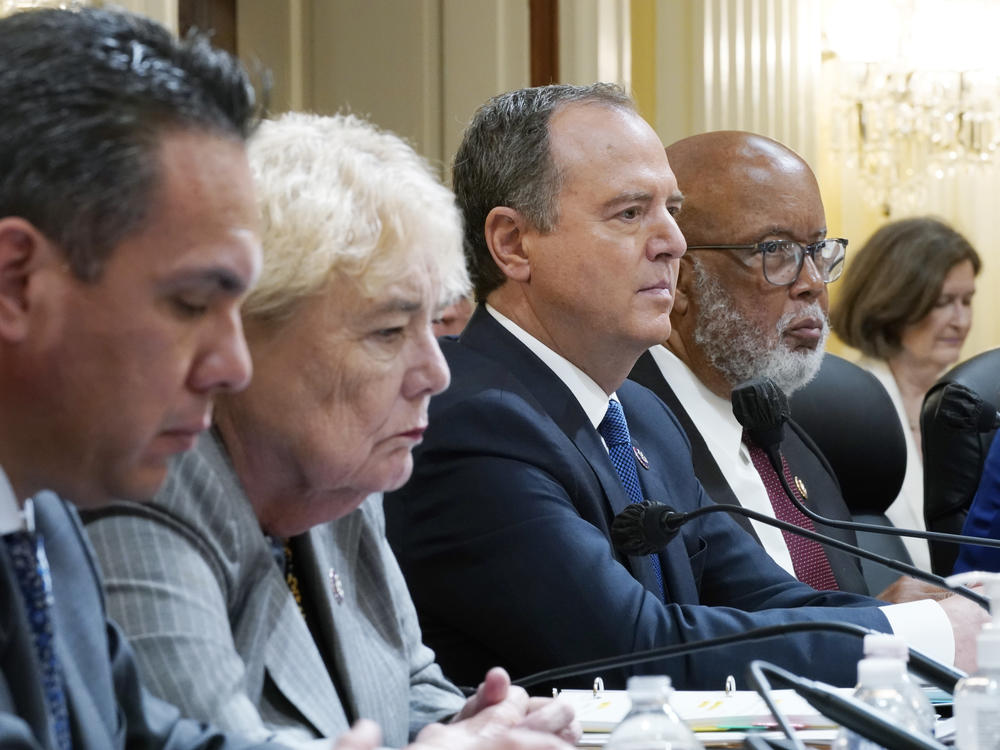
427 373
225 365
666 238
962 315
809 284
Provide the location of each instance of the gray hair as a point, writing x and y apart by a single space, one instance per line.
340 197
505 160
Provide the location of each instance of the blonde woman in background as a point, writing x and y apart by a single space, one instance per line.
906 304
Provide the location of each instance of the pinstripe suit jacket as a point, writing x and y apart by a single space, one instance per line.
192 580
109 709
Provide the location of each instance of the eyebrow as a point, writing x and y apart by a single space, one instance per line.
398 304
223 279
641 197
787 233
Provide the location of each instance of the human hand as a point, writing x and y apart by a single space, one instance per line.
497 706
967 619
363 735
908 589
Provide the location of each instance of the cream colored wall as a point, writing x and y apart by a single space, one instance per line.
756 65
418 68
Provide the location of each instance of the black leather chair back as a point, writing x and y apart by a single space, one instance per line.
953 458
851 418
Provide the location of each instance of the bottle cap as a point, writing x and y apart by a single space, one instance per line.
886 645
648 687
874 671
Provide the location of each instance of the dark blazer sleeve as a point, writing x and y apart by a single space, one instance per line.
108 706
502 533
984 517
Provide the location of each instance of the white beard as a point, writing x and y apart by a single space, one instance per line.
739 350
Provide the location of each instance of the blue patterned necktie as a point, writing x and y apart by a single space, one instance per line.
31 568
614 429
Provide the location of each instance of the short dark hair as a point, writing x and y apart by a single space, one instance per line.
86 97
505 160
894 281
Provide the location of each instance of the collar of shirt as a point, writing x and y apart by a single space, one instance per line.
589 394
12 518
712 415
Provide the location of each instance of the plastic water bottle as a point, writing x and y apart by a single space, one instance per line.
881 682
651 724
884 645
977 697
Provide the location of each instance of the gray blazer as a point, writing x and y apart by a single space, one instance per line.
193 582
108 707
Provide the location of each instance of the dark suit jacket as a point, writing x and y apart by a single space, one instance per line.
503 534
108 708
804 460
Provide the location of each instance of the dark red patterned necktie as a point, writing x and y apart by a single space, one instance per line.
809 559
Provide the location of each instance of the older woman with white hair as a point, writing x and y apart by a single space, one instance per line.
258 589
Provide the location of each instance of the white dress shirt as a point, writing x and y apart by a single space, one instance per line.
907 510
12 518
591 396
922 624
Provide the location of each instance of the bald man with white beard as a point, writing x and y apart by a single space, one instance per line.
752 301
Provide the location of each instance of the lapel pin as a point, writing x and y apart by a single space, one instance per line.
336 586
801 487
640 457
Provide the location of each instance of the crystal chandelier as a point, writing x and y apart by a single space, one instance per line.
915 100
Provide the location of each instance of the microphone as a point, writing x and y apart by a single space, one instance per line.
844 710
760 406
920 664
962 409
646 528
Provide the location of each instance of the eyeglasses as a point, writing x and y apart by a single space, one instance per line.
783 259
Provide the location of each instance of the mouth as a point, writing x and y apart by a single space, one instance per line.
663 287
416 434
808 332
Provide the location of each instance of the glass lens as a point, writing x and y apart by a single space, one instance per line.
829 259
782 260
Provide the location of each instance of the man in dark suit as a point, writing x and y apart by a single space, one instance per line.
752 301
503 531
127 242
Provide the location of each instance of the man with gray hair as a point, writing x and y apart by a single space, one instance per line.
503 531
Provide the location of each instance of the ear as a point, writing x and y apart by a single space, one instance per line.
505 229
22 250
681 294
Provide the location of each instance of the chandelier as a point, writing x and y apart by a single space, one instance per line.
914 93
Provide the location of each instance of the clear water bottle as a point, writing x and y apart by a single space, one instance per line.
651 724
880 683
889 646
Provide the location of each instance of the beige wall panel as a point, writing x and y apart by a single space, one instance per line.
486 52
381 59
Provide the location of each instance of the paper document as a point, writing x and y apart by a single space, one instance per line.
702 710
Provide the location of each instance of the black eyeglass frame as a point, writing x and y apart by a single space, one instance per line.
810 250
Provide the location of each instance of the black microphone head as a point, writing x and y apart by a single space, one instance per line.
961 408
762 408
643 528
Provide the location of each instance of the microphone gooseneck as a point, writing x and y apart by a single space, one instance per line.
846 710
962 409
920 664
758 408
659 516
